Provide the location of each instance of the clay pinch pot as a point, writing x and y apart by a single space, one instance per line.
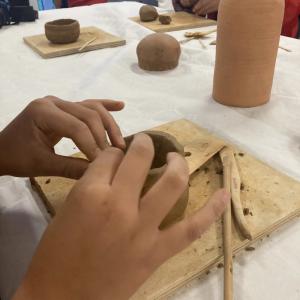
163 144
148 13
164 19
158 52
62 31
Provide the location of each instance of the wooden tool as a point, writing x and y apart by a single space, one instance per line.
271 197
86 44
235 188
180 20
284 48
227 242
91 38
197 35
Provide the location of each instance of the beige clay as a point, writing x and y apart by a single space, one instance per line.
163 144
247 44
148 13
158 52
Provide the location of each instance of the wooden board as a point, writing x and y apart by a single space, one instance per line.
180 20
272 198
43 47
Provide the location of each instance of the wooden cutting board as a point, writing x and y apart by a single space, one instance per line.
271 197
46 49
180 20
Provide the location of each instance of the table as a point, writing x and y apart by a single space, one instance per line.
271 133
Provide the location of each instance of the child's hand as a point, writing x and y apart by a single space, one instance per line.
187 3
204 7
106 241
27 143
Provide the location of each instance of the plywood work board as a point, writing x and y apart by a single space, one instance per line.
44 48
180 20
271 197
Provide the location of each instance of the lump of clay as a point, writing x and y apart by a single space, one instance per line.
165 20
148 13
163 144
158 52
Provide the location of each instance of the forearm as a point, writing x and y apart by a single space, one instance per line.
3 156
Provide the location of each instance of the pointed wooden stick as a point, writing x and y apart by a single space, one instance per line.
227 243
86 44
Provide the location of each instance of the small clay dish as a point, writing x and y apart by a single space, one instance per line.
163 144
62 31
164 19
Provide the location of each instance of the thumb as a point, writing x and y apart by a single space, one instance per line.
64 166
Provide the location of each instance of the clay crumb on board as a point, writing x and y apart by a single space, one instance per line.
207 182
220 265
206 169
246 211
241 154
242 186
207 272
48 181
219 171
187 154
251 214
249 248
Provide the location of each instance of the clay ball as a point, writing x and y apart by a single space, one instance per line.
62 31
165 20
158 52
148 13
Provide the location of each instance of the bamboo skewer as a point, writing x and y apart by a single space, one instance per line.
227 244
285 49
86 44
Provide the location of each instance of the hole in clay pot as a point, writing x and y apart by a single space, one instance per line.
187 154
162 146
62 22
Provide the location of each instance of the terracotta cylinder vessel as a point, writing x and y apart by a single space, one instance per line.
247 44
163 144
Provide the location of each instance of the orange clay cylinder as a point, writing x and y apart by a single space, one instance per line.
247 44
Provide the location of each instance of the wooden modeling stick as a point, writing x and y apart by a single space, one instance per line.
196 35
227 243
236 196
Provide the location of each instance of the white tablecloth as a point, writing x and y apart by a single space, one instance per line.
271 133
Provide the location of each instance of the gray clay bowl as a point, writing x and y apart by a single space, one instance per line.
62 31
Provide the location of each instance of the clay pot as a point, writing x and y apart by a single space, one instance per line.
247 44
165 20
163 144
62 31
158 52
148 13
